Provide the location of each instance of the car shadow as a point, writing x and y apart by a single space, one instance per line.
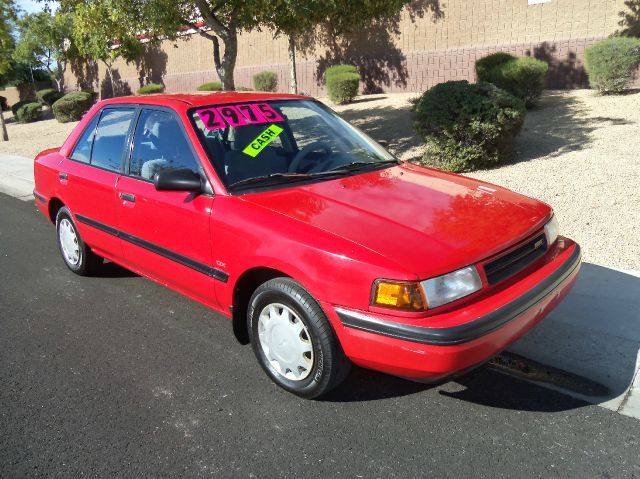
484 386
113 270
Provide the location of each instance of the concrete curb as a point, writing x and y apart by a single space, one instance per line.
16 176
594 333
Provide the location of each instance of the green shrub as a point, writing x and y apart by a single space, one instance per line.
468 126
485 64
29 112
48 96
265 81
611 63
150 88
522 77
72 106
338 69
243 88
210 86
17 105
343 87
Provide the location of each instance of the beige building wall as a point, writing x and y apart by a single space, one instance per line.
411 55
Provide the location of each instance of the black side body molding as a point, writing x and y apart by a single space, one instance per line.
468 331
39 197
159 250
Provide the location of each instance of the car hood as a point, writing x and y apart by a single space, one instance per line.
427 221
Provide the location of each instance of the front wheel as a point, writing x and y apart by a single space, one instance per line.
293 339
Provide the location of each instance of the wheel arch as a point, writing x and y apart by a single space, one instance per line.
53 207
242 291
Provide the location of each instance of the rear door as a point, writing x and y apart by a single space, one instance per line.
89 176
166 233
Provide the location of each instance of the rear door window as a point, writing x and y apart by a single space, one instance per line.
160 144
111 137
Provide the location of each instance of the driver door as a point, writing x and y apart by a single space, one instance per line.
165 233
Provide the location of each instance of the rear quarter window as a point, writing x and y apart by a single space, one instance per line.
82 151
110 138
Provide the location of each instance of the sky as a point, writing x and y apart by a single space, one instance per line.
31 6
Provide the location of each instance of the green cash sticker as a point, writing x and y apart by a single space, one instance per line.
262 140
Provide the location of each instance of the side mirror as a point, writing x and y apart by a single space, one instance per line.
178 179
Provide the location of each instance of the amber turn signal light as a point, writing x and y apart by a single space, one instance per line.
398 295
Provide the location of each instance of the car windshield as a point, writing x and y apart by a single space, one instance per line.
274 142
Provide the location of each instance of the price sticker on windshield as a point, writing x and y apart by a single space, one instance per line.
215 118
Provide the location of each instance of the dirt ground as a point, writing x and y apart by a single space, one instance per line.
578 151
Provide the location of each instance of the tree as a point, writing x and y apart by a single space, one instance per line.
45 42
7 18
326 21
291 18
105 30
215 20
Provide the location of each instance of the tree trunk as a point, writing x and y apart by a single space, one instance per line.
292 64
60 69
226 65
5 135
110 73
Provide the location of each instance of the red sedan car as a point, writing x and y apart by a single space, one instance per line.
321 247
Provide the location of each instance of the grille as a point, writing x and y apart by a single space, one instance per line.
514 261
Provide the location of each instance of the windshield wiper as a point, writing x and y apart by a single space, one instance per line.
356 165
276 176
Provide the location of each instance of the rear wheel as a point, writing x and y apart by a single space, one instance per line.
76 254
293 339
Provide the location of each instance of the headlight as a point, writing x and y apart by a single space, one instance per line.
451 286
551 230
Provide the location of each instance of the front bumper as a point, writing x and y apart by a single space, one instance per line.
459 339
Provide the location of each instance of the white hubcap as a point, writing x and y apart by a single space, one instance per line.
285 341
69 242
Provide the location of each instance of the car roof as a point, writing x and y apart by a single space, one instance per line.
202 99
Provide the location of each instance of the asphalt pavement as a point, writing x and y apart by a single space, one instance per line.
116 376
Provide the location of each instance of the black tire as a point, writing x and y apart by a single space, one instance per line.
88 262
330 365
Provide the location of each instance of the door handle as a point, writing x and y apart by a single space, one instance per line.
63 176
128 197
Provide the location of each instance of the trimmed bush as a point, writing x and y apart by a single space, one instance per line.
17 105
72 106
343 87
611 63
29 112
488 63
468 126
210 86
265 81
150 88
48 96
522 77
337 69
